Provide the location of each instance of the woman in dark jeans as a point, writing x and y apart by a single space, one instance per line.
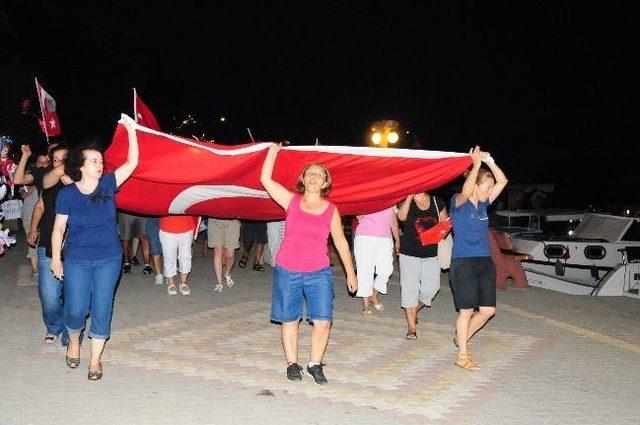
92 250
472 271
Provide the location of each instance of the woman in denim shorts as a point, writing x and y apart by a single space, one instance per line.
302 265
92 250
472 272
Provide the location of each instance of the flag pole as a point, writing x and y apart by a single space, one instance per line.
135 104
317 142
44 123
251 135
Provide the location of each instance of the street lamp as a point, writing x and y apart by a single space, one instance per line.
384 132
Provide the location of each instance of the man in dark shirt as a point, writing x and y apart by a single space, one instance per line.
49 181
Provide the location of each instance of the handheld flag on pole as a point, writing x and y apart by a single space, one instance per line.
49 122
143 114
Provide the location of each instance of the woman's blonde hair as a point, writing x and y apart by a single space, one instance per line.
484 174
326 188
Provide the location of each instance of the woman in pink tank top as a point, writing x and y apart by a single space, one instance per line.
302 264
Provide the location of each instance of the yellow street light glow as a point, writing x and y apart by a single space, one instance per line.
376 138
392 137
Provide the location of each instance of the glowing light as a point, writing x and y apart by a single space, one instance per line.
570 232
376 138
393 137
222 119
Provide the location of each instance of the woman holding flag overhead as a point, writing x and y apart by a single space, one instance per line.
472 272
302 264
92 250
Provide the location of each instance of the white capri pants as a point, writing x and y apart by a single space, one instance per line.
275 233
419 280
374 255
176 246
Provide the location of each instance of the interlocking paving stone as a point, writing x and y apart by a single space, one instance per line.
215 358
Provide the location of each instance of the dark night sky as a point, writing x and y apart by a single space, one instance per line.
550 88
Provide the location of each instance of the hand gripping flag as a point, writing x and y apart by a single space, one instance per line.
183 176
49 122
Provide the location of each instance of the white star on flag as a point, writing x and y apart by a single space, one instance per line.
52 124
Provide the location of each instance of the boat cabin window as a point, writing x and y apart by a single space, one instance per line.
633 233
556 251
633 253
595 252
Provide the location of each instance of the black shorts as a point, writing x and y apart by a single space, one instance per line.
473 281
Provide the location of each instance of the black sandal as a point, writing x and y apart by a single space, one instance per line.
258 267
72 362
411 336
94 376
243 262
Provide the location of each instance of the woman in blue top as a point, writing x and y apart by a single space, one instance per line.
92 250
472 271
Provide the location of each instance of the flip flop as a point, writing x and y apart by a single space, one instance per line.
243 262
172 291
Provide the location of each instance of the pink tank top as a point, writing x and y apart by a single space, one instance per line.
304 247
377 224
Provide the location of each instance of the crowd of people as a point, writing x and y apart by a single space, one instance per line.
80 245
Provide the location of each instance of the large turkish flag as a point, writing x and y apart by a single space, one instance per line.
183 176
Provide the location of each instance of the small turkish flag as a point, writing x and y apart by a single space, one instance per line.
436 233
49 123
144 116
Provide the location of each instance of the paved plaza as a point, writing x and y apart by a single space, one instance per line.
547 358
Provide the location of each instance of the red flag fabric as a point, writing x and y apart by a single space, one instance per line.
144 116
49 122
183 176
436 233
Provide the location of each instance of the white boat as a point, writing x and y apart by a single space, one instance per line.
550 221
601 257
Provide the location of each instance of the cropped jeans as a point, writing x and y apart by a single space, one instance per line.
50 291
89 287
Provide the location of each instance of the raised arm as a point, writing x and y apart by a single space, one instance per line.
53 177
57 235
125 170
501 179
20 177
469 183
279 193
342 246
403 211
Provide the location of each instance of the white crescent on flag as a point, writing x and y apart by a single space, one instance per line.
184 176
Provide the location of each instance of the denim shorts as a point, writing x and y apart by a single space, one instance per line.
473 281
290 287
153 233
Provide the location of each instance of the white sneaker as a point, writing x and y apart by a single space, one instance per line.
218 288
159 279
229 281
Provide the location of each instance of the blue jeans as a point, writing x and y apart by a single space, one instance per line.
289 289
50 291
89 287
152 229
